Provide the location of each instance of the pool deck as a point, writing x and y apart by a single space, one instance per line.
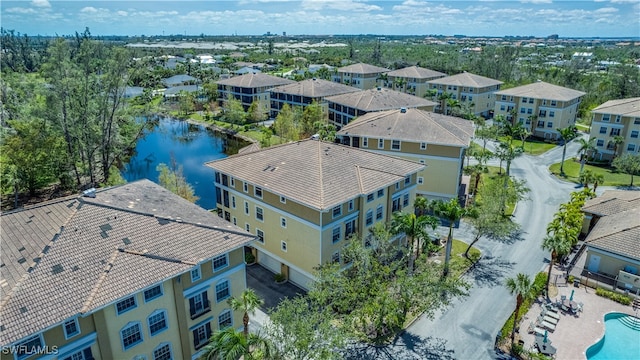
573 335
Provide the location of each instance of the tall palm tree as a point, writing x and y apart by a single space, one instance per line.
587 177
452 105
558 246
567 134
522 287
443 102
229 344
415 228
248 303
586 146
616 141
421 205
597 179
452 212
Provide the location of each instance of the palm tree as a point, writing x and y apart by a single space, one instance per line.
587 177
616 141
558 246
586 146
229 344
248 303
431 93
421 205
522 287
452 212
443 102
452 105
567 134
597 179
414 227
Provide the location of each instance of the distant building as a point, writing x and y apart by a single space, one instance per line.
616 118
411 80
177 80
471 90
305 92
362 76
249 88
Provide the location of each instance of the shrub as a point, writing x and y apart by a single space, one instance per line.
612 295
279 277
539 284
249 258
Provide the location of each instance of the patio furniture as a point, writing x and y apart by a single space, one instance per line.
552 314
545 348
546 325
551 307
534 329
548 319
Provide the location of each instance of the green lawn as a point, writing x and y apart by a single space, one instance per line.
583 127
459 264
572 173
533 146
493 175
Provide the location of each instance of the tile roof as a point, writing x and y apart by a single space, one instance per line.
618 234
543 90
255 81
362 68
466 79
379 99
624 107
317 174
100 252
612 202
413 125
178 79
315 88
417 73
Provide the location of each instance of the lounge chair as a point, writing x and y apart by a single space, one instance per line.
551 307
534 329
552 314
548 319
546 325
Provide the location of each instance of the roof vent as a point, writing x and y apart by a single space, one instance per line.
91 193
403 110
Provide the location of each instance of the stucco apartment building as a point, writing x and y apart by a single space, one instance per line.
541 107
305 92
303 200
436 140
471 90
344 108
249 88
616 118
612 225
362 76
411 80
129 272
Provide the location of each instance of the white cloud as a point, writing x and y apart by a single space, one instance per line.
89 10
20 10
625 1
122 13
536 1
341 5
606 10
41 3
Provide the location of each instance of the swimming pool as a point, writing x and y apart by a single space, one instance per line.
621 339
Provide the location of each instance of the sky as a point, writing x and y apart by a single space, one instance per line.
567 18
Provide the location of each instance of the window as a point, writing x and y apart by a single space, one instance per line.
552 113
522 110
636 121
152 293
233 202
336 234
260 235
395 145
603 130
199 304
614 132
131 335
247 227
369 217
220 262
71 328
232 181
217 179
365 142
540 123
351 204
245 186
423 146
529 111
201 335
553 103
224 320
600 142
235 221
157 322
634 134
246 208
283 246
380 143
195 273
84 354
618 118
631 147
349 228
257 191
283 199
259 214
222 291
398 185
283 222
407 180
379 212
524 100
422 162
162 352
502 108
531 101
503 98
370 197
335 257
420 180
405 200
606 117
380 193
550 124
337 211
32 345
126 305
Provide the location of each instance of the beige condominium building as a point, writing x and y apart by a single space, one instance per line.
436 140
541 107
346 107
360 75
303 200
616 120
411 80
129 272
249 88
472 91
303 93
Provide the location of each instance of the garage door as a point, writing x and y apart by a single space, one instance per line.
299 279
268 262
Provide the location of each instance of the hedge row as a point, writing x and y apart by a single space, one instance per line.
620 298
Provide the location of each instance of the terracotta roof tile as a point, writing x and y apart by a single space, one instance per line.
314 88
416 72
543 90
362 68
379 99
466 79
624 107
255 81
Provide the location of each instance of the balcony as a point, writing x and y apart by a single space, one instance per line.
199 311
628 281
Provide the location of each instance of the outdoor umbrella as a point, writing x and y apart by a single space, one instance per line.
571 297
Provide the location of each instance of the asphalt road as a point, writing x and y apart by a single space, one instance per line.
467 329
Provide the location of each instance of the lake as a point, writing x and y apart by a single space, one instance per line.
191 145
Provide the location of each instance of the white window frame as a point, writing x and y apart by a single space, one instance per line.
232 182
230 314
365 142
333 234
258 231
224 256
420 180
379 210
164 317
407 180
247 227
396 143
257 191
333 211
126 327
369 218
283 199
235 221
247 211
144 295
233 202
380 143
215 289
380 193
245 187
350 205
283 222
260 212
335 257
76 324
199 272
423 146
